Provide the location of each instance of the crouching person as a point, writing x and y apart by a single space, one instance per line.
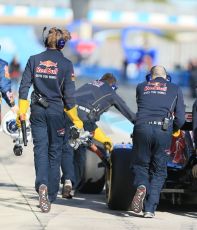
93 99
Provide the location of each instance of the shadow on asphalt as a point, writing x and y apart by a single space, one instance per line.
97 203
94 202
189 210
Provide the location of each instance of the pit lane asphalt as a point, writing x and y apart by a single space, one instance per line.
18 200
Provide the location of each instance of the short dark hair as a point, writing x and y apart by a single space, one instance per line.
109 77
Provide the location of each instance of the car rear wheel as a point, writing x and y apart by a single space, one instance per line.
119 191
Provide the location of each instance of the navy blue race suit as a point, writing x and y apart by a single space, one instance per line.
157 99
51 75
99 96
92 99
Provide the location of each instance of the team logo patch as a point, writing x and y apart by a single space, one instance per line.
155 88
97 83
61 132
48 64
47 69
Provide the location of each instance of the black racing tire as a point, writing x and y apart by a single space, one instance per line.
93 180
119 191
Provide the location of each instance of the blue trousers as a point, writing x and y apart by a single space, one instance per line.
73 164
67 164
48 133
79 164
73 161
149 163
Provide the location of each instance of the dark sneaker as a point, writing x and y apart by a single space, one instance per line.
66 190
148 215
137 202
44 203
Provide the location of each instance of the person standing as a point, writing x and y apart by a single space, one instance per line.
194 122
160 114
192 71
15 73
194 127
53 82
5 87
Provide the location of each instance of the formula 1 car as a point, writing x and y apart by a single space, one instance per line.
180 186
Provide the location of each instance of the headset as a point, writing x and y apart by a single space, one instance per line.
114 87
60 43
149 75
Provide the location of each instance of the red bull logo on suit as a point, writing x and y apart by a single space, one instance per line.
47 67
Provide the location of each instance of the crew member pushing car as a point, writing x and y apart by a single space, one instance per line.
160 113
93 99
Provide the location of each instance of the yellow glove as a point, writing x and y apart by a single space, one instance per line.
100 136
177 133
23 107
72 113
